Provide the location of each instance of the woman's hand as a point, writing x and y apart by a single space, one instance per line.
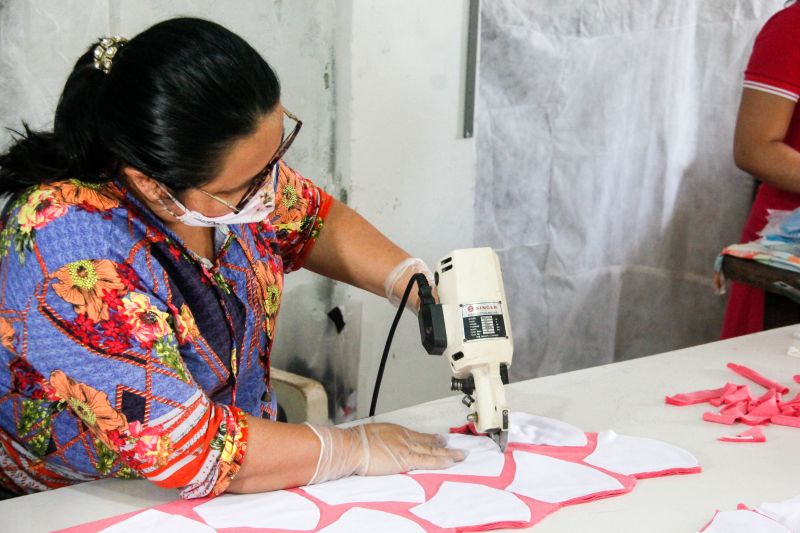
396 282
378 450
352 250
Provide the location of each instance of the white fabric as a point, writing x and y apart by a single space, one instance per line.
464 504
553 480
484 457
153 520
786 512
605 177
534 429
278 510
358 489
359 520
636 455
467 503
742 521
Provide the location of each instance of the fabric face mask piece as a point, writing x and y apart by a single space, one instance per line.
484 457
555 481
786 512
256 209
743 521
465 504
542 471
394 488
268 510
359 520
534 429
769 517
154 520
638 456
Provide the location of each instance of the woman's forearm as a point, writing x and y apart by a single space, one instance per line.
281 456
278 456
352 250
773 162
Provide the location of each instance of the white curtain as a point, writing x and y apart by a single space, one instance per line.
605 174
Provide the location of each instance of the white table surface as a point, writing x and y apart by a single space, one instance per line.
627 397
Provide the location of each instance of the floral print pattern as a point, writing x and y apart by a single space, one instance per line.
88 404
117 342
270 287
43 206
89 196
142 446
85 283
147 322
185 325
7 335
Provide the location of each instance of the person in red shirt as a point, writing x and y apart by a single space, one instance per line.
767 146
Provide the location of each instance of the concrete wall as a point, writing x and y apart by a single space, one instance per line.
400 77
41 39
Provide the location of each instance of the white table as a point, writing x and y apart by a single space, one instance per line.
627 397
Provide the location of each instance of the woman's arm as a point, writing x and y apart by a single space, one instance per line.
283 455
758 146
352 250
279 456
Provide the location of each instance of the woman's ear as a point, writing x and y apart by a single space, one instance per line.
146 185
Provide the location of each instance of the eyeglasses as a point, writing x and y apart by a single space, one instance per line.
257 183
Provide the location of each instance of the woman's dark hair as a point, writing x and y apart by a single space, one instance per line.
177 95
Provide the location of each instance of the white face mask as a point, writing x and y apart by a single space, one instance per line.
255 210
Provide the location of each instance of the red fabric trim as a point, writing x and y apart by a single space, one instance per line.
751 435
755 377
775 59
432 482
757 77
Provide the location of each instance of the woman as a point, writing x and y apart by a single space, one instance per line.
766 145
143 254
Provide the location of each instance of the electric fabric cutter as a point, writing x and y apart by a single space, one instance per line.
470 326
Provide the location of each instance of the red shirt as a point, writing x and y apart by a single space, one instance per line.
774 66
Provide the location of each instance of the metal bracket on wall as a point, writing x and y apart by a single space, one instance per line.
472 67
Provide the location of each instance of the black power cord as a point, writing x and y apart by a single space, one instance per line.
431 327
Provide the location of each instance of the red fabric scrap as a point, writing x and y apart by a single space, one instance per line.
737 405
740 393
751 420
784 420
751 435
754 376
720 418
691 398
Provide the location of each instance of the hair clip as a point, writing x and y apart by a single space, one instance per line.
105 51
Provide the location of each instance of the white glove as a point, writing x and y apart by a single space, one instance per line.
378 450
395 284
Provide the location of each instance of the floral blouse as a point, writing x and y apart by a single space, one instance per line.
122 353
